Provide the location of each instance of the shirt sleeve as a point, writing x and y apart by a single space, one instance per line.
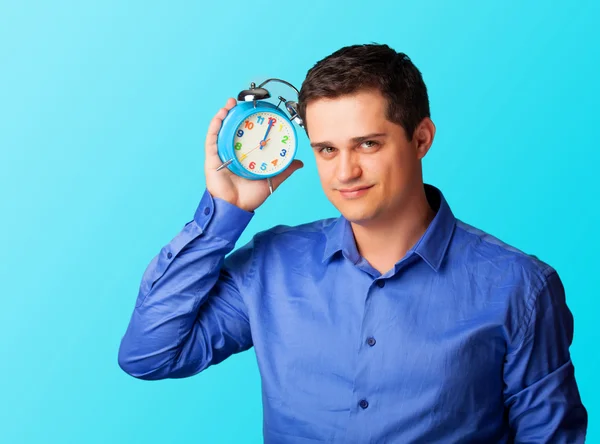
189 313
541 394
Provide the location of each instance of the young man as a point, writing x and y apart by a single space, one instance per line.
395 322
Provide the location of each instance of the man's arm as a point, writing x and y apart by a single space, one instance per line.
189 312
541 394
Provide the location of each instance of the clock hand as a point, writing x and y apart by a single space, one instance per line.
229 162
264 141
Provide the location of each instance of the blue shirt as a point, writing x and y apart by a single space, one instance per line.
466 339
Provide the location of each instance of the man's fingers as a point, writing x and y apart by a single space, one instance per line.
231 102
280 178
215 125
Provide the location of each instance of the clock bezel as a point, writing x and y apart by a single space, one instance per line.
232 121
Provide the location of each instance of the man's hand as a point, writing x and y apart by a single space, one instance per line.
245 193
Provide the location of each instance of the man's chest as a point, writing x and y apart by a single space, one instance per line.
321 341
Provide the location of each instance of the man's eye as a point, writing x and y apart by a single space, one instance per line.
370 144
327 150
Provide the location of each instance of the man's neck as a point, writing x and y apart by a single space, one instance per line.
384 243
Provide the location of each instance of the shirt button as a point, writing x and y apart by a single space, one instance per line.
371 341
381 284
207 211
363 404
169 255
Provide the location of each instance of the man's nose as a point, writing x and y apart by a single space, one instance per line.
348 167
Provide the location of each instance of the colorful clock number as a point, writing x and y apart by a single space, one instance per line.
257 140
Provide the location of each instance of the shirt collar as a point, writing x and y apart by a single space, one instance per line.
431 247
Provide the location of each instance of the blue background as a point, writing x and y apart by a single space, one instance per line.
103 113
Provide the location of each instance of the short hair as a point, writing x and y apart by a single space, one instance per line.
370 66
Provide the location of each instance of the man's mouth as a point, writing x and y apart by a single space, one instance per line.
354 192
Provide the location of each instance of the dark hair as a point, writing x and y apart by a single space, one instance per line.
370 66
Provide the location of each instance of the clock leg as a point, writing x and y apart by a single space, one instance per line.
225 164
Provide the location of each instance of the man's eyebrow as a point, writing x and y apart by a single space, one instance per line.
361 139
321 144
354 140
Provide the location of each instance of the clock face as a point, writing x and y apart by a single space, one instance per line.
264 143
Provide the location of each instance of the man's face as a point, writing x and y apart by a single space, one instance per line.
367 166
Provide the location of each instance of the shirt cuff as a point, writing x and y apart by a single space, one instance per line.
219 218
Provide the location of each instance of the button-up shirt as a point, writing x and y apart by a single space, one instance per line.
465 339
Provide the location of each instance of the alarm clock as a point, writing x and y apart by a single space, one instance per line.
258 139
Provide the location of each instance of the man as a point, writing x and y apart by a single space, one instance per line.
393 323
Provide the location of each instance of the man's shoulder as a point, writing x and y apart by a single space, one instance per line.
490 252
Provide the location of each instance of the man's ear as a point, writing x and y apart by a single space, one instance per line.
423 137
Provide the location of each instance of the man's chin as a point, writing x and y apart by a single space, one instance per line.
359 217
354 212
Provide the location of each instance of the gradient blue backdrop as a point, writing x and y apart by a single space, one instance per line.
103 111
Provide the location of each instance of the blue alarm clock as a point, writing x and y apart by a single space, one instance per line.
257 139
